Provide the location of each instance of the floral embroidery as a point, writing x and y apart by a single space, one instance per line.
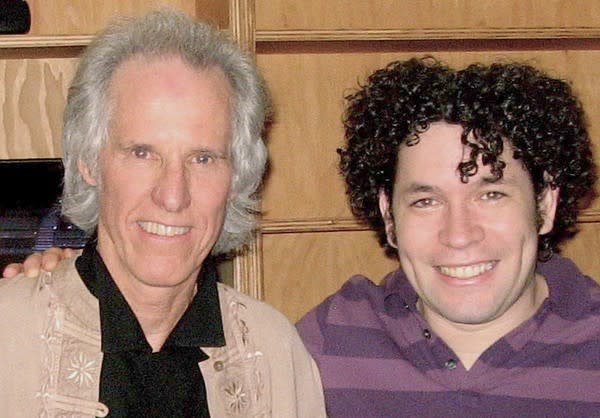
240 370
237 396
82 369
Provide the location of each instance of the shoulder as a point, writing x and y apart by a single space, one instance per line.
21 290
356 290
25 295
572 294
265 357
17 295
262 317
253 326
17 286
356 295
358 303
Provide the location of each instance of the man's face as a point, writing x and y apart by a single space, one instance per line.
165 172
468 249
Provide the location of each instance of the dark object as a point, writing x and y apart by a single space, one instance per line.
14 16
29 209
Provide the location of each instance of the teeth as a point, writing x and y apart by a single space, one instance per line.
466 271
163 230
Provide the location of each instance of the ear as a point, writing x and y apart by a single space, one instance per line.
547 203
86 173
388 218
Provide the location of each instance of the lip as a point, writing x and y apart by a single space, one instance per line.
161 230
468 273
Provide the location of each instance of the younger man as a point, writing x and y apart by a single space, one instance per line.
471 177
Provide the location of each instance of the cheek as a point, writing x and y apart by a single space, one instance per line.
118 194
212 194
414 232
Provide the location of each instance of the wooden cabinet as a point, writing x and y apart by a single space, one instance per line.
312 53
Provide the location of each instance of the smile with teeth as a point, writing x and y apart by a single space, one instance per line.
163 230
465 272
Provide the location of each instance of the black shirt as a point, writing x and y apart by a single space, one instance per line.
134 381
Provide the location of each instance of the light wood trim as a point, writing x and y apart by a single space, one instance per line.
243 31
312 225
247 264
588 216
426 34
242 23
248 269
27 41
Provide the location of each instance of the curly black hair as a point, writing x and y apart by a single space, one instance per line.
539 115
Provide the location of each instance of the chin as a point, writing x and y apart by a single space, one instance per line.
164 274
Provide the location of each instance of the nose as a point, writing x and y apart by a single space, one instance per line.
460 228
172 189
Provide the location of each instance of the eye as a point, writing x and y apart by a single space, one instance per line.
493 195
141 152
203 158
424 203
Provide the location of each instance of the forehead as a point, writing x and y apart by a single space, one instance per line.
166 97
435 159
169 72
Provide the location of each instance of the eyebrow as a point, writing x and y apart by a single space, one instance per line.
505 180
218 153
420 188
416 187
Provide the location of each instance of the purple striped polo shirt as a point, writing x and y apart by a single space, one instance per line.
378 358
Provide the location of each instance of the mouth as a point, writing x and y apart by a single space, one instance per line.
163 230
466 272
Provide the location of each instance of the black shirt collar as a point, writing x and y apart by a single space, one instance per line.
200 325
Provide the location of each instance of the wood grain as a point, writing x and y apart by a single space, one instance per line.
33 95
300 270
80 17
425 14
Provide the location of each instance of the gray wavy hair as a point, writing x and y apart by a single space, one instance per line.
164 33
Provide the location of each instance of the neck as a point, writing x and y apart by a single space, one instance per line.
469 341
158 309
157 304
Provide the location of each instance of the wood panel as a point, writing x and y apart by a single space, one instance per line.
33 96
79 17
216 11
584 249
475 15
300 270
307 91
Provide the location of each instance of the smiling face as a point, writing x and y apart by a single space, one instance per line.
165 171
468 249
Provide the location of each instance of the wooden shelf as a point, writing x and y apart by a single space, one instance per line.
27 41
426 34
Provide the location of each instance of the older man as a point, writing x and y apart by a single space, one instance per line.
162 158
471 177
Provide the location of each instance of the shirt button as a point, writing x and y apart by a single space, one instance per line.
218 366
450 364
426 334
